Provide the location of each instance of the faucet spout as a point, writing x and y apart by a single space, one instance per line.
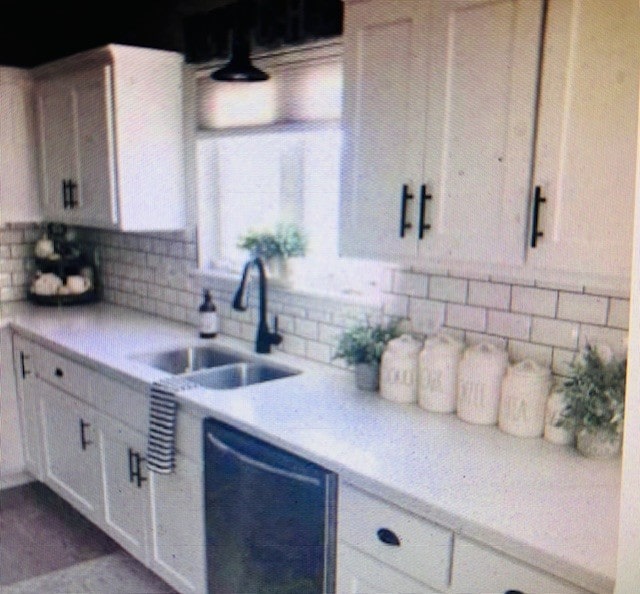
264 337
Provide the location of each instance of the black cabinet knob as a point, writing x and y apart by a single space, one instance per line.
388 537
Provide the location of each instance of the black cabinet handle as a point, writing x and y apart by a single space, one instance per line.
73 199
514 592
406 195
65 194
24 371
135 470
84 442
388 537
423 210
538 199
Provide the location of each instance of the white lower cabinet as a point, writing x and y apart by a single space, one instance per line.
477 568
177 520
71 454
125 486
359 573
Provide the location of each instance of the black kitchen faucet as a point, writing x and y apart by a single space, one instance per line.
264 338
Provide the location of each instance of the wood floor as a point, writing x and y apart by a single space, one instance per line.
48 547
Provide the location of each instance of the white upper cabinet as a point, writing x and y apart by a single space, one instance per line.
18 166
111 139
439 118
587 134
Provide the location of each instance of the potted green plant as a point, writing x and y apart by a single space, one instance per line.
594 402
275 246
361 346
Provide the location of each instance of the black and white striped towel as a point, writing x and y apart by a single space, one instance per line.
163 406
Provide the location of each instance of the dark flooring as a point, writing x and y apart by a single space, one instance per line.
44 540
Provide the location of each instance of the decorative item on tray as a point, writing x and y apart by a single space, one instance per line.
64 275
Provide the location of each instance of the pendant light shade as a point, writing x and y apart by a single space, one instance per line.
239 67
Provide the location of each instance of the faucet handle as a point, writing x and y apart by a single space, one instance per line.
275 337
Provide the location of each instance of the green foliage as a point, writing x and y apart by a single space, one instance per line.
594 393
287 241
364 343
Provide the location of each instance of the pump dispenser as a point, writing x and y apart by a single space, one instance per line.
209 322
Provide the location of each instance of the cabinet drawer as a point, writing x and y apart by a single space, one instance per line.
121 402
359 573
63 373
477 568
423 550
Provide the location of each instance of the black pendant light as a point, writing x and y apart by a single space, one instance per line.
239 67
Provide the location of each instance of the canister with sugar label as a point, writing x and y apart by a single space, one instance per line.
480 374
525 389
399 369
438 373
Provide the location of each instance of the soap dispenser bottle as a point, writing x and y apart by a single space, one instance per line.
209 322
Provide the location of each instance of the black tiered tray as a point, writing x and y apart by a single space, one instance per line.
63 267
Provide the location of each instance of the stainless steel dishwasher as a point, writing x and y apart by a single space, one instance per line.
270 517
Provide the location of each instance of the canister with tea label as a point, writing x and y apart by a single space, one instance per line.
438 373
525 389
399 369
480 374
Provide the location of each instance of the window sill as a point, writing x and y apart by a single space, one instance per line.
231 279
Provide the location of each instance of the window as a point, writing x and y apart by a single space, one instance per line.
273 154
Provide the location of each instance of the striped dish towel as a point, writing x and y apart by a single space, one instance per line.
163 406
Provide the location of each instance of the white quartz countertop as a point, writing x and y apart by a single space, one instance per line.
541 503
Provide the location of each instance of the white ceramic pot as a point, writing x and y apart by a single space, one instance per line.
367 376
553 432
594 443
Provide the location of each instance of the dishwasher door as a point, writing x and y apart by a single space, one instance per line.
270 517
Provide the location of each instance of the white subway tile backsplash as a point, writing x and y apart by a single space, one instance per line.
426 317
411 284
556 333
486 294
306 329
531 300
395 305
613 337
618 313
452 290
510 325
466 317
578 307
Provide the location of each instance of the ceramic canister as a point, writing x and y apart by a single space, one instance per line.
399 369
438 373
525 389
480 374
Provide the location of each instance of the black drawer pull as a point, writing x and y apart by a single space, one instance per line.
423 211
514 592
58 372
538 199
388 537
404 224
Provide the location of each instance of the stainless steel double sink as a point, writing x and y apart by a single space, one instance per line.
216 367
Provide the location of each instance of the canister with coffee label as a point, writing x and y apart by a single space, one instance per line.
438 373
399 369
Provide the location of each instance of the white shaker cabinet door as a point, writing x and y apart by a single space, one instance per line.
439 114
28 402
384 63
177 531
482 92
57 130
126 489
586 147
71 454
18 167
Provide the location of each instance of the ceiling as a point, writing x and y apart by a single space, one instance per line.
35 32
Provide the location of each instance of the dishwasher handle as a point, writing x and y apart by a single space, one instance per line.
220 445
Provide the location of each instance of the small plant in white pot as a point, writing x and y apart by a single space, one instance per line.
275 247
594 402
361 346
